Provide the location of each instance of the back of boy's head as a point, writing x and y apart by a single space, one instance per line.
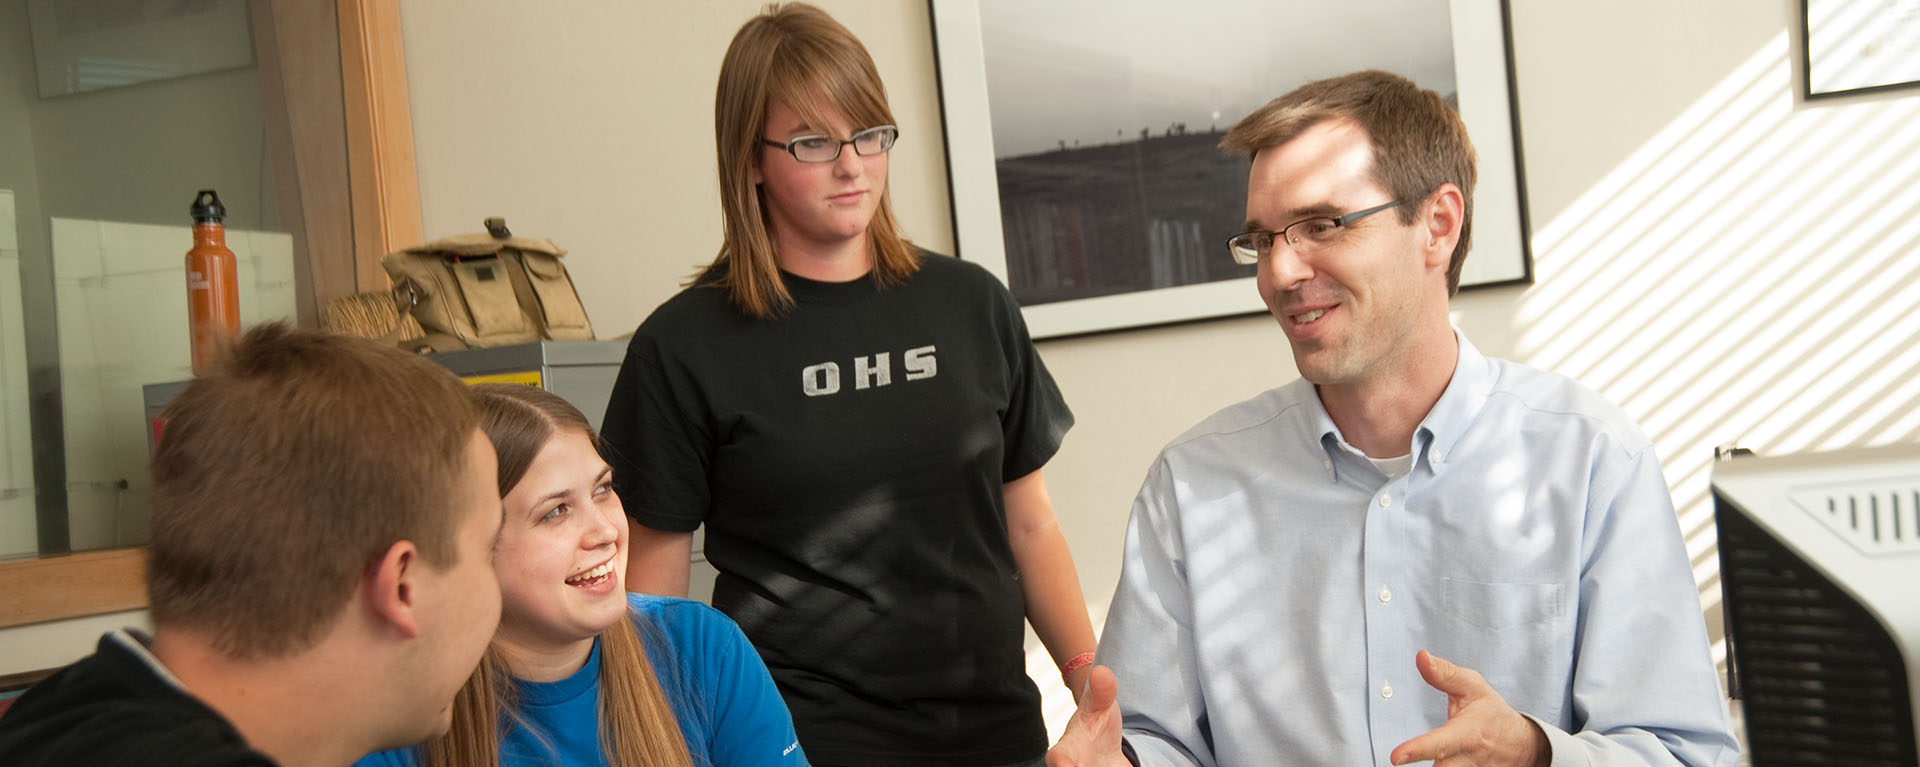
289 469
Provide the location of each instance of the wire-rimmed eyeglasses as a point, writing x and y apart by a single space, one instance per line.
1305 235
872 141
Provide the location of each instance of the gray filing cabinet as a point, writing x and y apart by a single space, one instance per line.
582 372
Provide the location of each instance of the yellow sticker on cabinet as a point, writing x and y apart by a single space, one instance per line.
528 377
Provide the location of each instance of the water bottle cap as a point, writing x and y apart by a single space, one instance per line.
207 208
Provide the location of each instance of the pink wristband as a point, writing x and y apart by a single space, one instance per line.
1076 663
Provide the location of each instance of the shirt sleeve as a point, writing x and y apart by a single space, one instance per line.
1148 640
655 437
748 723
1037 417
1645 691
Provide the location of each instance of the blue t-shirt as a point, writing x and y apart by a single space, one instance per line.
720 691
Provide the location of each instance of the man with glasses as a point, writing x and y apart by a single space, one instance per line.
1414 553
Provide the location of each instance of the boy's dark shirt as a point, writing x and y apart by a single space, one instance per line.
118 706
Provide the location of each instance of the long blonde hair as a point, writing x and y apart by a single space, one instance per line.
637 725
796 54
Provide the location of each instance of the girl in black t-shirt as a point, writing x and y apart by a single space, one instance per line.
859 425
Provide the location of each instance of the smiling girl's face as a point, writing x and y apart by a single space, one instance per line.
562 558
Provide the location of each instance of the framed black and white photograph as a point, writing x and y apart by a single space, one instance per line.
1857 46
1082 139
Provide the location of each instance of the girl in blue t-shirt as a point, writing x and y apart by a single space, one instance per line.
581 672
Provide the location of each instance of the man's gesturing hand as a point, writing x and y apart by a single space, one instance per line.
1092 737
1481 729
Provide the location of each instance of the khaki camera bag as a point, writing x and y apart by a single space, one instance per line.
487 289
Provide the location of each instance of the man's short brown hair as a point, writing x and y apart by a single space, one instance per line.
287 470
1419 141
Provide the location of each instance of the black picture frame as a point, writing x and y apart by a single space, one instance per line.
1483 66
1851 47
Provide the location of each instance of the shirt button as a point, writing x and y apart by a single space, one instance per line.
1386 690
1386 500
1386 595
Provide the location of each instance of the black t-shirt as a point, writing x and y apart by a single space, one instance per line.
848 461
114 708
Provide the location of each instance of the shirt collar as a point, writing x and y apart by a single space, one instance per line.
1321 425
1444 425
137 644
1466 394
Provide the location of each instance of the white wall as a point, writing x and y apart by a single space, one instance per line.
594 126
53 644
1724 261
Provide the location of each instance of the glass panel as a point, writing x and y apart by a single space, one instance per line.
112 117
17 525
122 304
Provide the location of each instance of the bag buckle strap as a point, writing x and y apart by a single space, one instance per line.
411 292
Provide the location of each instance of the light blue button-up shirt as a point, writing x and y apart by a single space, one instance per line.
1277 585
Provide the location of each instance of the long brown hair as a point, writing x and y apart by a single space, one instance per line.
637 725
796 54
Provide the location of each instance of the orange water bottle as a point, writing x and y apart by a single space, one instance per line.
213 296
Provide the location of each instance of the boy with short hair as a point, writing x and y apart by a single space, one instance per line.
322 517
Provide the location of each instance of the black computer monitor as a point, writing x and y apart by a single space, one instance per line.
1820 575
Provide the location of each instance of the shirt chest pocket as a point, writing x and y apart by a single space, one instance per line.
1501 605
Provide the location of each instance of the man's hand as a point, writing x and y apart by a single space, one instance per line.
1077 681
1481 729
1092 737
